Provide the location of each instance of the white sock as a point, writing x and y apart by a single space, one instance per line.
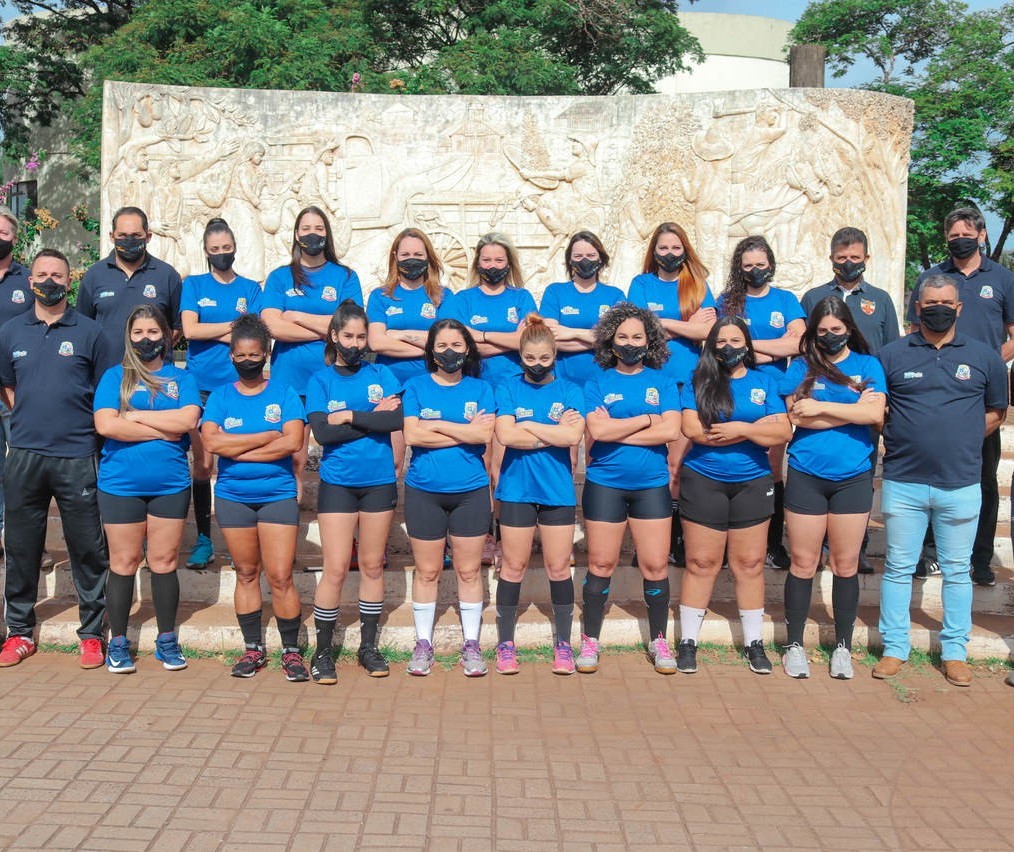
752 621
424 614
471 619
691 619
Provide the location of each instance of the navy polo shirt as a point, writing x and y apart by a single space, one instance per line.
54 370
938 401
108 295
986 296
872 309
15 292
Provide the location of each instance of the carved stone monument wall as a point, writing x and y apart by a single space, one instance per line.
793 165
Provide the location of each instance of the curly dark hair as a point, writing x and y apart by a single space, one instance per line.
473 360
732 302
605 331
712 388
818 365
250 327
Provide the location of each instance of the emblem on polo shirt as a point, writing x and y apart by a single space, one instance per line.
471 409
610 398
478 319
172 390
18 353
758 396
273 413
986 292
908 374
512 314
963 372
149 291
106 294
66 349
329 294
777 320
241 305
569 311
556 411
651 396
868 306
334 405
520 412
393 311
374 393
428 311
429 414
18 297
232 423
207 303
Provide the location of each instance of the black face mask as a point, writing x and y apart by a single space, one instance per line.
730 356
413 268
449 360
351 355
249 368
537 372
630 355
586 268
131 249
6 247
849 271
148 349
492 275
49 293
831 343
938 318
757 277
962 247
311 244
222 262
670 262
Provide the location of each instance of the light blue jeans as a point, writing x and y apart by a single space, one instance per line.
954 513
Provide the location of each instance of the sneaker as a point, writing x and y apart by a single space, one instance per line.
15 649
506 659
92 656
778 558
373 661
983 576
563 659
168 652
422 659
252 661
925 567
322 668
47 562
841 663
448 557
294 667
489 551
865 566
661 656
686 657
794 661
471 659
758 660
678 556
587 661
202 554
118 659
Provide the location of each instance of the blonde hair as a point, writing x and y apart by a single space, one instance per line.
515 278
431 281
135 371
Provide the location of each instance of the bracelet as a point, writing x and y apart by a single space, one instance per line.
483 337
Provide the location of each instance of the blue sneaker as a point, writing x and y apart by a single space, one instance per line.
168 653
118 659
202 554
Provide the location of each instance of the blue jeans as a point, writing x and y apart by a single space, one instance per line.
954 513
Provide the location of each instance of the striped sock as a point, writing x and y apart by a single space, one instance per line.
325 621
369 622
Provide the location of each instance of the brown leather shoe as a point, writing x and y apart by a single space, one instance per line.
887 667
958 672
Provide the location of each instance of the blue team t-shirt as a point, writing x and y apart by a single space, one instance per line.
574 308
447 470
239 414
768 317
146 468
844 451
537 476
370 460
754 396
503 312
215 302
663 299
404 310
630 395
292 364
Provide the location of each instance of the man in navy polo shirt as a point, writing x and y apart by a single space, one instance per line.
128 277
51 358
986 291
947 392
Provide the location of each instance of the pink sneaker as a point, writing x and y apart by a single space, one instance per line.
92 655
588 660
506 659
563 659
661 655
492 553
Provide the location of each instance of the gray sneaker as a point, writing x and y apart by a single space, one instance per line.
794 661
660 654
422 659
587 661
841 663
471 659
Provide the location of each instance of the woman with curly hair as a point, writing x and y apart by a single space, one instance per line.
777 322
835 394
732 413
632 413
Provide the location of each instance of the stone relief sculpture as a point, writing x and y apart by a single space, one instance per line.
793 165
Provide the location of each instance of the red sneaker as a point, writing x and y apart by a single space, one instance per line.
15 649
92 655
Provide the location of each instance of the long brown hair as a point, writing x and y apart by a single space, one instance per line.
818 364
692 283
299 279
135 371
431 281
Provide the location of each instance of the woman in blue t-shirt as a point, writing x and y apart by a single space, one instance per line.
145 409
632 413
733 414
353 408
538 421
776 321
208 305
449 420
836 394
299 300
255 427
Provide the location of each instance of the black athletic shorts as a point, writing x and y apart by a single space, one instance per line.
811 495
431 515
340 499
615 505
116 509
232 513
530 514
725 505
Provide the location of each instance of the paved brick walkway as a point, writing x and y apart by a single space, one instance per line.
723 759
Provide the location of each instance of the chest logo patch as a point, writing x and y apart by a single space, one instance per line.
335 405
569 311
520 412
657 307
471 409
18 297
758 396
478 319
66 349
964 372
819 386
273 413
207 303
374 393
556 411
651 396
292 292
777 320
512 314
329 294
232 422
149 291
986 292
106 294
868 306
18 353
393 311
428 311
429 414
241 305
912 374
172 390
603 310
610 398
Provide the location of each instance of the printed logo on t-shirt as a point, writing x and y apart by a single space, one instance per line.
106 294
964 372
232 423
149 291
172 390
569 311
66 349
241 305
335 405
471 409
207 303
18 297
656 306
512 314
651 396
556 411
292 292
428 311
429 414
329 294
610 398
520 412
603 310
777 320
986 292
819 386
856 379
478 319
868 306
911 374
393 311
758 396
374 393
18 353
273 413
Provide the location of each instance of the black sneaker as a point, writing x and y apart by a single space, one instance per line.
322 668
252 661
925 567
778 558
983 576
294 667
686 656
755 656
864 563
678 556
373 661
